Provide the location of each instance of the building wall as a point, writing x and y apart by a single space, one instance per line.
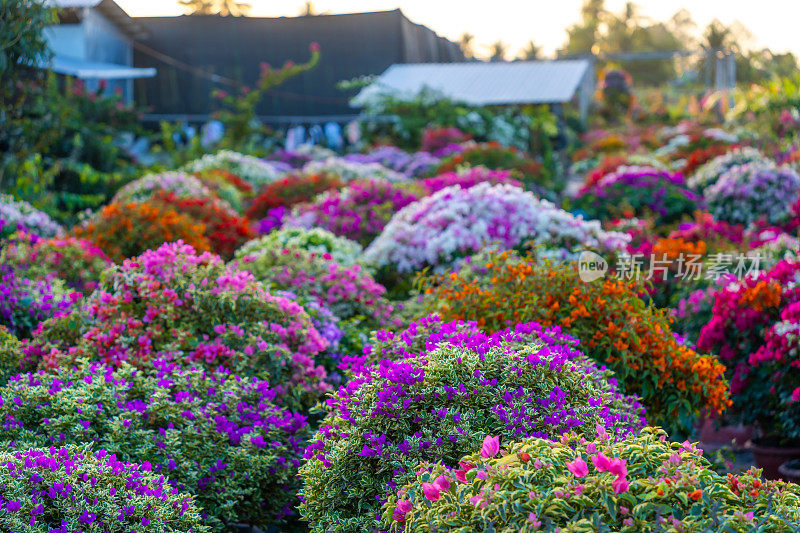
107 44
352 45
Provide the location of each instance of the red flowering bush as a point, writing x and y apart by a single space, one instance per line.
223 227
495 156
435 139
290 190
128 229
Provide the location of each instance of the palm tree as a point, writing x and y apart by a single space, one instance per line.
498 51
213 7
465 43
532 52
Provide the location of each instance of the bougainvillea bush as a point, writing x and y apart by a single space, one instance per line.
126 230
349 292
412 165
218 436
348 170
257 172
642 483
143 189
754 327
495 156
637 192
359 211
223 227
753 191
10 355
317 240
708 174
70 488
26 300
469 177
176 303
456 222
614 325
77 262
439 405
16 215
290 190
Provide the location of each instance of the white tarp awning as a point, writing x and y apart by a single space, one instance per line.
89 70
482 83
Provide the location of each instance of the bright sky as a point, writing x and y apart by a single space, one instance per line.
773 23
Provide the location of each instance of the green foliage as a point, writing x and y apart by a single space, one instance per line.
215 435
62 152
316 240
671 488
22 41
81 490
10 355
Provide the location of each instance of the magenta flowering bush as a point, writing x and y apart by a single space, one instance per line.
212 434
469 177
68 488
359 211
176 303
755 328
349 292
639 192
438 403
77 262
642 483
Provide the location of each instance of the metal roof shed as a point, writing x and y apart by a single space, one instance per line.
480 83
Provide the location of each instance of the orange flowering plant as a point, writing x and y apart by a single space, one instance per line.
128 229
614 325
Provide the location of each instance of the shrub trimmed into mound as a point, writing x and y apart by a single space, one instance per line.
643 483
439 405
68 489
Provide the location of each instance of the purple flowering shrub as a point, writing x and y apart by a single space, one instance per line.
349 292
412 165
77 262
70 489
748 192
438 400
175 303
639 192
26 301
359 211
642 483
213 434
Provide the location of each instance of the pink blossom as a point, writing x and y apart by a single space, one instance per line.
402 508
796 394
491 445
618 467
441 483
578 467
430 492
620 485
601 462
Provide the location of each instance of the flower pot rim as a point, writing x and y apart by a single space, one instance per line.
772 448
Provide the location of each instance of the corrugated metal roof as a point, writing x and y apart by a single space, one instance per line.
93 70
480 83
